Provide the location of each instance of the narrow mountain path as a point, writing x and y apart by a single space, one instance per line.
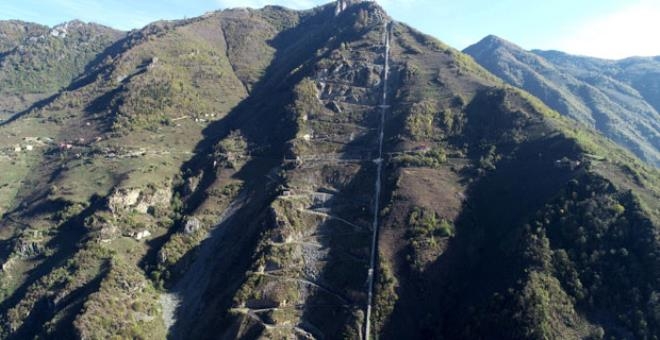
333 217
379 170
337 295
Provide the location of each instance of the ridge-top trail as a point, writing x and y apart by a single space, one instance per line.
379 170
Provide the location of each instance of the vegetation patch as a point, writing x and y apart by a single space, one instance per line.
427 234
126 306
386 295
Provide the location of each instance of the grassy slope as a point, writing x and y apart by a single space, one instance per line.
36 64
118 141
511 194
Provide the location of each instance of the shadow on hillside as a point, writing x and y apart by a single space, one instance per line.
70 305
65 244
92 70
267 124
37 105
345 273
337 309
484 257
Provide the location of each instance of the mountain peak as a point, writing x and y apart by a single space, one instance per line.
62 29
494 38
80 27
552 76
342 5
492 41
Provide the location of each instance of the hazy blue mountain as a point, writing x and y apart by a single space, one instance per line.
618 98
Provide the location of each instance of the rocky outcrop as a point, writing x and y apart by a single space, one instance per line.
192 225
342 5
108 232
141 201
7 266
159 198
122 199
192 183
28 248
141 235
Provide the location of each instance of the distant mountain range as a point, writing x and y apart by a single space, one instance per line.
621 99
321 174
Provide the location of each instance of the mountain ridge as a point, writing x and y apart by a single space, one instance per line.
38 61
612 96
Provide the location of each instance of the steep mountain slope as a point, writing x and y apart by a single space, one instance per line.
640 73
618 98
37 61
283 174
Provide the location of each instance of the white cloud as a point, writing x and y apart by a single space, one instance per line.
631 31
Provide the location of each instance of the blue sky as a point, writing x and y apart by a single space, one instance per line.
601 28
